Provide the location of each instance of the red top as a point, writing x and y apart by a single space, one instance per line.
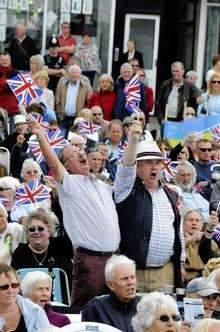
150 101
106 101
69 41
7 98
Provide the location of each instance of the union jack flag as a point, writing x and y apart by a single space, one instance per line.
32 192
88 128
168 169
215 132
39 119
24 88
54 138
133 94
123 146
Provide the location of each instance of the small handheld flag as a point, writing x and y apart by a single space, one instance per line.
32 192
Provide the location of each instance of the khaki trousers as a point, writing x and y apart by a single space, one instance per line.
155 278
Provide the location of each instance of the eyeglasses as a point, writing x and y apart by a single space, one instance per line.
127 125
34 229
216 82
13 285
142 75
166 318
205 149
211 297
95 114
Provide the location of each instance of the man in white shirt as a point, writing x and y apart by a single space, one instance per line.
89 217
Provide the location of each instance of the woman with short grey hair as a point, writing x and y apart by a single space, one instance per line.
36 63
156 312
37 287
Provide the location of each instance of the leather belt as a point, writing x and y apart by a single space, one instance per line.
93 252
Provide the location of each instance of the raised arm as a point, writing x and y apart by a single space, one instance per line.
129 157
50 157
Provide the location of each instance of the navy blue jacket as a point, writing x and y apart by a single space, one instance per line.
107 309
135 221
120 111
203 173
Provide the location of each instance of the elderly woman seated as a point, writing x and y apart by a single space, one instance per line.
7 192
17 313
37 286
156 312
41 249
199 245
11 234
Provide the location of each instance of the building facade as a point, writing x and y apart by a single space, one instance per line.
164 30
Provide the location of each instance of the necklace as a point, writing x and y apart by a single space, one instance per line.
40 262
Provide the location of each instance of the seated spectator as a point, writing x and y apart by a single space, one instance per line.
102 147
104 97
216 152
36 64
42 249
94 158
185 178
47 113
30 171
215 197
164 147
207 325
203 288
149 93
47 98
127 122
37 287
211 266
189 113
7 191
77 140
97 118
87 53
3 129
198 242
117 308
146 135
11 234
215 278
156 312
20 125
86 114
16 312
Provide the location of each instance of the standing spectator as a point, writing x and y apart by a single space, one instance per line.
149 93
120 110
55 64
67 42
117 308
135 64
88 55
132 53
7 97
215 68
71 97
175 95
89 217
191 76
21 48
149 236
211 99
203 167
104 97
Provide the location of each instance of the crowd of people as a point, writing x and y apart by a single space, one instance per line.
129 238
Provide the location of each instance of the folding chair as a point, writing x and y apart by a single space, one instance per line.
61 290
5 158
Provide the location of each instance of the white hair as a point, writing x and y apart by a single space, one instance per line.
29 164
38 58
30 280
177 64
213 275
189 168
9 182
126 65
148 308
205 324
191 73
113 262
75 67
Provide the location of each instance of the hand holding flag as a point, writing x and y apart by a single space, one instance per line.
133 94
32 192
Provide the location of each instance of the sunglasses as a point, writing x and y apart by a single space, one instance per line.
13 285
216 82
33 229
166 318
135 65
127 125
211 297
3 189
205 149
95 114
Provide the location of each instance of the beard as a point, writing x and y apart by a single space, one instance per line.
182 185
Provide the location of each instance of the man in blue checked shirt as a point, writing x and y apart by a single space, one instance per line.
148 216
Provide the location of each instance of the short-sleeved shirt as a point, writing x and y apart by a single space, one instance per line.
89 213
69 41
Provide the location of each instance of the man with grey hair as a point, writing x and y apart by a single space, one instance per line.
118 307
175 95
121 111
71 97
185 178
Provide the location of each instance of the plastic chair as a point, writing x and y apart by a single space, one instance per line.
61 290
5 158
